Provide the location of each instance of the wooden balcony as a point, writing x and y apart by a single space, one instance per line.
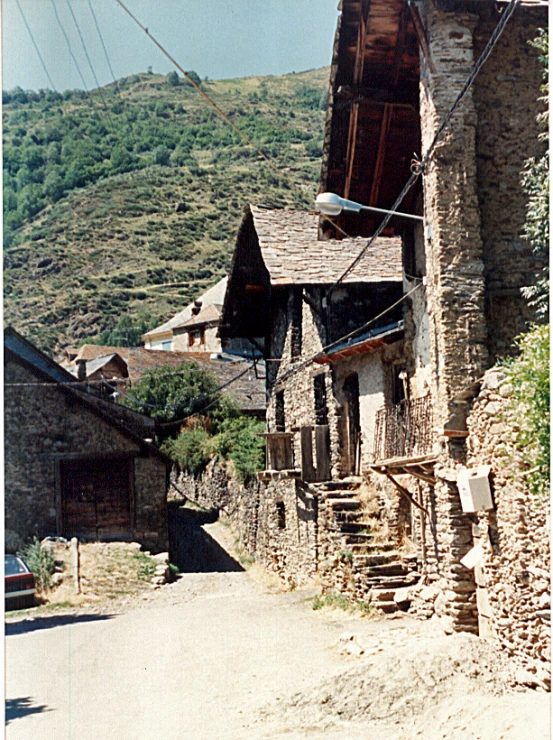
404 431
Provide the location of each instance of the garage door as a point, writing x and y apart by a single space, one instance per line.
96 497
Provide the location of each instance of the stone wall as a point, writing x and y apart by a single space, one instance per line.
275 520
505 98
44 425
513 578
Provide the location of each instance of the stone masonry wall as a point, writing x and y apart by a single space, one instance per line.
505 95
453 243
41 426
299 399
275 520
514 590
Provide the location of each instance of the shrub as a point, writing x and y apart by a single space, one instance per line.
529 376
41 561
191 450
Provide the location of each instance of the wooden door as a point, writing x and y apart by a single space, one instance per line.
351 441
96 497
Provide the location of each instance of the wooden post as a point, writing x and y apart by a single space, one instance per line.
322 448
307 468
76 573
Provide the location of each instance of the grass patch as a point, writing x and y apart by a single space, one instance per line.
337 600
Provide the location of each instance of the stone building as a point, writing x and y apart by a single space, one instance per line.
334 353
397 70
195 328
75 464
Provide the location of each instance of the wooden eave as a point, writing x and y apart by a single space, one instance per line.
419 467
373 126
361 348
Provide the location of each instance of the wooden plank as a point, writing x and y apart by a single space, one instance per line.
381 155
307 467
322 450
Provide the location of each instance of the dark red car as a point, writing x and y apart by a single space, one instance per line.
20 587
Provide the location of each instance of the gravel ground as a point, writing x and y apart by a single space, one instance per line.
230 655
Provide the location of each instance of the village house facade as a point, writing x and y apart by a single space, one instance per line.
405 389
75 464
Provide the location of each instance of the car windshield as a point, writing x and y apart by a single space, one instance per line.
14 566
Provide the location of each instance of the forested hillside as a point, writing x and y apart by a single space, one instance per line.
122 204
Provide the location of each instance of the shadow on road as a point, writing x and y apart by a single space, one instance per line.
44 623
191 548
17 708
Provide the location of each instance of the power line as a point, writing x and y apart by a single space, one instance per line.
68 44
419 167
102 41
211 102
322 352
36 47
86 52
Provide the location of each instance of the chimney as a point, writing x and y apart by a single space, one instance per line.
81 369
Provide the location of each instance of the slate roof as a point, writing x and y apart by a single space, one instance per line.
206 315
215 295
249 390
293 254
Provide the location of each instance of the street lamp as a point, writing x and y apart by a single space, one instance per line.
331 204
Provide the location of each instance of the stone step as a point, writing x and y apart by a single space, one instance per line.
376 559
352 527
389 582
345 503
332 495
375 571
336 485
347 516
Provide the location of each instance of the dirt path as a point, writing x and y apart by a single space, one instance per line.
225 655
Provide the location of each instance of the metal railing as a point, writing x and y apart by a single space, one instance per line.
404 430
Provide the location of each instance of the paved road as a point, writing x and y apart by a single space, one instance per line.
200 658
190 663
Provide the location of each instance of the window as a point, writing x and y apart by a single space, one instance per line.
321 409
398 386
280 422
296 321
166 345
281 514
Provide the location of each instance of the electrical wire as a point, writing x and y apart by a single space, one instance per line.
419 166
36 47
102 41
211 102
322 352
68 44
86 53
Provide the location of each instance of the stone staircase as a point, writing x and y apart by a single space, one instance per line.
381 573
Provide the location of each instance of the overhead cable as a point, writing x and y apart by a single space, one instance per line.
420 166
68 45
211 102
86 53
102 41
35 45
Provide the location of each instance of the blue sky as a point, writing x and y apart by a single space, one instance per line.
217 38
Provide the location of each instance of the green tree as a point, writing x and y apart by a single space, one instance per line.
174 393
173 79
535 180
529 376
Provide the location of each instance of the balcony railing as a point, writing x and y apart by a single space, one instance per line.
404 430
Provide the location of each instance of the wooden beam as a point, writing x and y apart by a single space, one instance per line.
421 35
352 141
381 154
400 46
405 492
